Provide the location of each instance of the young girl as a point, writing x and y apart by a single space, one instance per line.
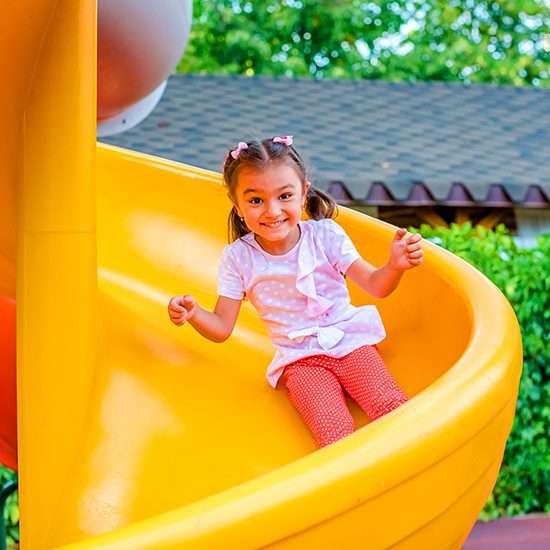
293 271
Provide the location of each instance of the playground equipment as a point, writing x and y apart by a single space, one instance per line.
139 44
8 415
134 434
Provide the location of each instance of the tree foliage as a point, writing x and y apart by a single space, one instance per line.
500 41
11 508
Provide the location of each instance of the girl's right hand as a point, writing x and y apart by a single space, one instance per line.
181 309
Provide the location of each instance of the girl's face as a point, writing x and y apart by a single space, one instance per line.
271 200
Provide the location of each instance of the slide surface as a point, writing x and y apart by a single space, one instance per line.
135 434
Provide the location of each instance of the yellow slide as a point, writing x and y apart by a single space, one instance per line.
134 434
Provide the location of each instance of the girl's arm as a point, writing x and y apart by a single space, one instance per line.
215 325
406 253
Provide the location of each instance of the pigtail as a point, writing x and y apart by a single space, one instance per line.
319 205
236 228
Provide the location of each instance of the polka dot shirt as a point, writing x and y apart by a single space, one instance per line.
302 295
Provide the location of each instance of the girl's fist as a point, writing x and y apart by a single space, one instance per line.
181 309
406 251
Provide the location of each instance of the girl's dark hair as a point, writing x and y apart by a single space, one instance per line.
258 155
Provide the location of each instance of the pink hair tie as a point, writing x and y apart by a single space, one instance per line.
241 147
286 140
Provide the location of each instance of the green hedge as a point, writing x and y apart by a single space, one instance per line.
11 510
523 275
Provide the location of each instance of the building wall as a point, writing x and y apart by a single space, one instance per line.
531 222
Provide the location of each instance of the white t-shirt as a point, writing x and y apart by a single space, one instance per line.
302 295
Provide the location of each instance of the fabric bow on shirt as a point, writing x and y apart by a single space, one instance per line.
327 337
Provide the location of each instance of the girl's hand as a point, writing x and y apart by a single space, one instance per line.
181 309
406 251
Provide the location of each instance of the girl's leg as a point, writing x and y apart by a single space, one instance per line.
368 381
318 396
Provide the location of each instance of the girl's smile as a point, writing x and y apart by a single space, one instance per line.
274 225
270 201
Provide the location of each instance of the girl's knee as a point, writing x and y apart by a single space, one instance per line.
333 430
387 403
328 423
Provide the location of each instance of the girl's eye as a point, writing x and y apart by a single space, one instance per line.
286 196
255 200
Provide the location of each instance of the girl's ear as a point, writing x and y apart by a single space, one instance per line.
229 196
237 209
307 187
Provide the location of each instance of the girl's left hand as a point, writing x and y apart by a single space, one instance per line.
406 251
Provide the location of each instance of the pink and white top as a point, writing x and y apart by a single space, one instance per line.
302 295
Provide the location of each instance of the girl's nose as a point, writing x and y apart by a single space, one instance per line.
273 208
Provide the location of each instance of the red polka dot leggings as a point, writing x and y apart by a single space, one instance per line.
316 387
